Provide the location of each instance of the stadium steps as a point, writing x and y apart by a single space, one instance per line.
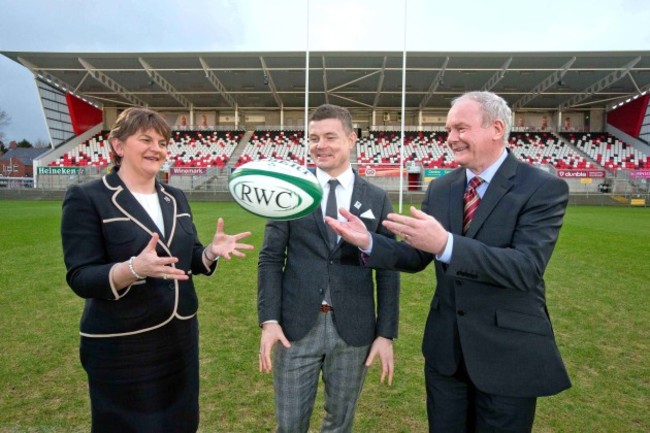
217 182
578 151
354 157
241 146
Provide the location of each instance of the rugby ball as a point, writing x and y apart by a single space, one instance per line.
275 189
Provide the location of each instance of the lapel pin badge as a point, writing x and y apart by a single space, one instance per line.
167 199
357 205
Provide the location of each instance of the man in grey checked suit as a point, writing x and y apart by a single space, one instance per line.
316 303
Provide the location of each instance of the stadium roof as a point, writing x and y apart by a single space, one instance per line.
271 80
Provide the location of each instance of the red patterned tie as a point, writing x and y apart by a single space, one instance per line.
471 200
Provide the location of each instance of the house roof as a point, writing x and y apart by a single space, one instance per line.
25 155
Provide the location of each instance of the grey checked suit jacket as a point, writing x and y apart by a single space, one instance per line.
296 265
490 302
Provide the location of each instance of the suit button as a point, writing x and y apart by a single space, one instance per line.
460 312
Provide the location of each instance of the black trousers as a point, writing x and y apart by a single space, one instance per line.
455 405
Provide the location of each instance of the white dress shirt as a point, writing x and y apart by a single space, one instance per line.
343 191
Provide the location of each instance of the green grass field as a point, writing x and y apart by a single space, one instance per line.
598 293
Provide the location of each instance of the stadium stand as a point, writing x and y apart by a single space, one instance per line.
608 151
276 144
214 149
431 150
203 148
545 148
95 151
426 147
190 148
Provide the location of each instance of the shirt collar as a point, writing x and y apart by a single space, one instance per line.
489 172
346 179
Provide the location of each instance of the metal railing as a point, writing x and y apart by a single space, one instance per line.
213 185
16 182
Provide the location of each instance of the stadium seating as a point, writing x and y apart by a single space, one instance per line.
189 148
275 144
96 151
546 149
608 151
208 149
196 148
428 148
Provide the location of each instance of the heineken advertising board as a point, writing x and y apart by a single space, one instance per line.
62 170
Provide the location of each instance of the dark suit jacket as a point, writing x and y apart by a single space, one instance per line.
489 304
103 224
296 265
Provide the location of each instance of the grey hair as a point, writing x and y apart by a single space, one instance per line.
493 107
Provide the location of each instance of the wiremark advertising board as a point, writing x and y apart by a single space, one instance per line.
188 171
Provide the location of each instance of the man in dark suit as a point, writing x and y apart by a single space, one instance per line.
488 343
315 302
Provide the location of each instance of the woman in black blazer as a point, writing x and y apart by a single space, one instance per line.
131 250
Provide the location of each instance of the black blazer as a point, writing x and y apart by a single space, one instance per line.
296 265
103 224
490 299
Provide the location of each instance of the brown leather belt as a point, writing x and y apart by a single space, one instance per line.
324 308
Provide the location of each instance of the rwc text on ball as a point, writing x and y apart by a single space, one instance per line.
256 195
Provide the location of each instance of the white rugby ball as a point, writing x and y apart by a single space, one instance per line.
275 189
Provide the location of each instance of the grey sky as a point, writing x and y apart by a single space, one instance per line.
282 25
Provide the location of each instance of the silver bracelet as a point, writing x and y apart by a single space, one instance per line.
205 253
135 274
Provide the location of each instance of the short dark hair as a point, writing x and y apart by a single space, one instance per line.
135 119
329 111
